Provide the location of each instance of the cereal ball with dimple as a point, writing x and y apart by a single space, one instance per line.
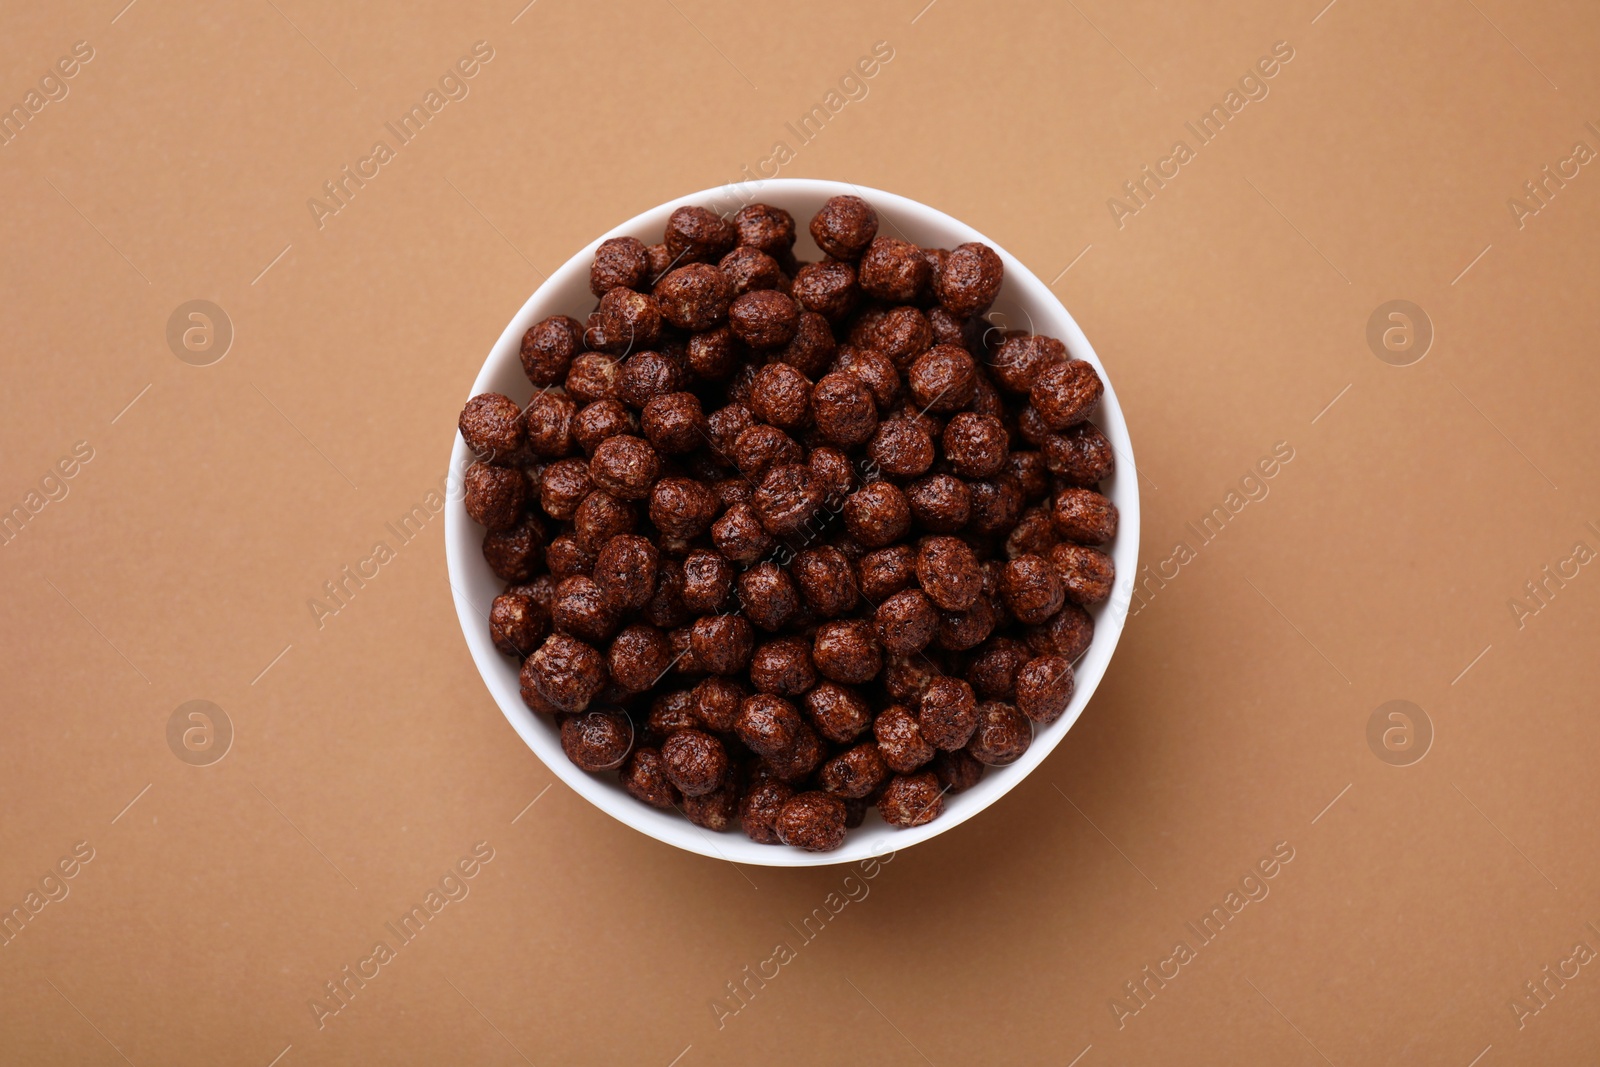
625 466
875 371
901 333
1044 688
844 227
839 713
961 630
885 572
781 396
646 375
767 724
767 596
943 379
1065 393
716 810
783 667
660 261
900 739
625 571
621 262
1032 589
957 770
549 419
638 657
592 376
549 347
1087 574
645 778
1029 469
697 235
715 354
722 643
761 447
969 278
601 517
674 423
629 320
997 504
1034 533
877 514
670 713
759 810
812 347
1002 736
948 572
834 472
975 445
695 762
901 447
771 229
940 503
682 507
694 297
565 672
716 702
1069 634
764 318
494 496
829 289
948 713
492 425
1020 358
597 740
583 610
855 772
826 580
565 558
844 410
750 270
892 270
516 624
812 821
1085 516
602 419
787 499
739 535
948 328
846 650
1080 454
514 554
993 671
665 608
911 800
797 763
707 581
906 677
906 622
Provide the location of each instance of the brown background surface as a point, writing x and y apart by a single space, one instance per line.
1230 312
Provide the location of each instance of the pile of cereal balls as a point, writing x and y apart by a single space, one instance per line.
783 540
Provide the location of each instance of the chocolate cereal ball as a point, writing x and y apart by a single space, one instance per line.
549 347
759 810
601 419
762 447
892 270
1032 589
885 572
1081 454
514 554
993 671
838 712
948 713
877 514
787 499
975 445
844 227
494 496
625 571
781 396
739 535
674 423
943 379
813 346
644 776
1085 516
764 318
1066 393
517 624
901 448
1002 736
854 773
601 517
767 596
844 410
592 376
812 821
492 425
716 701
783 667
969 279
630 321
874 370
906 622
911 800
722 643
827 289
750 269
826 580
1020 358
549 420
1087 574
638 657
1068 634
716 810
901 333
707 581
619 262
695 762
768 228
694 297
949 572
695 235
625 466
768 724
940 503
682 507
847 650
1044 688
957 770
900 740
565 672
597 740
581 609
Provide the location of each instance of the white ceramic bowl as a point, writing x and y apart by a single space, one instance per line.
1024 302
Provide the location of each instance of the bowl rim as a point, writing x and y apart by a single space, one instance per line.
463 552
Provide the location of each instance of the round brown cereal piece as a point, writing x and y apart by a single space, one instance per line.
767 596
839 713
670 713
1032 589
759 810
597 740
957 770
997 504
900 333
764 318
783 666
1081 454
1028 468
969 278
901 447
771 229
1002 736
762 447
781 396
566 557
674 423
940 503
638 657
601 419
722 643
826 580
1085 516
682 507
1044 688
549 347
494 496
549 418
601 517
645 778
619 262
846 650
906 622
1087 574
694 297
592 376
739 535
854 773
829 289
625 466
911 800
813 346
581 609
893 270
625 571
877 514
1065 393
907 677
492 425
695 762
715 354
961 630
844 410
563 486
1020 358
631 321
812 821
948 713
696 235
993 671
885 572
874 370
565 672
750 270
943 379
716 701
787 499
1069 634
900 740
975 445
707 581
844 227
948 328
716 810
1034 533
949 573
800 761
514 554
517 624
835 472
768 724
646 375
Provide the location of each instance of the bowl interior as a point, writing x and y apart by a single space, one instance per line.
1024 303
